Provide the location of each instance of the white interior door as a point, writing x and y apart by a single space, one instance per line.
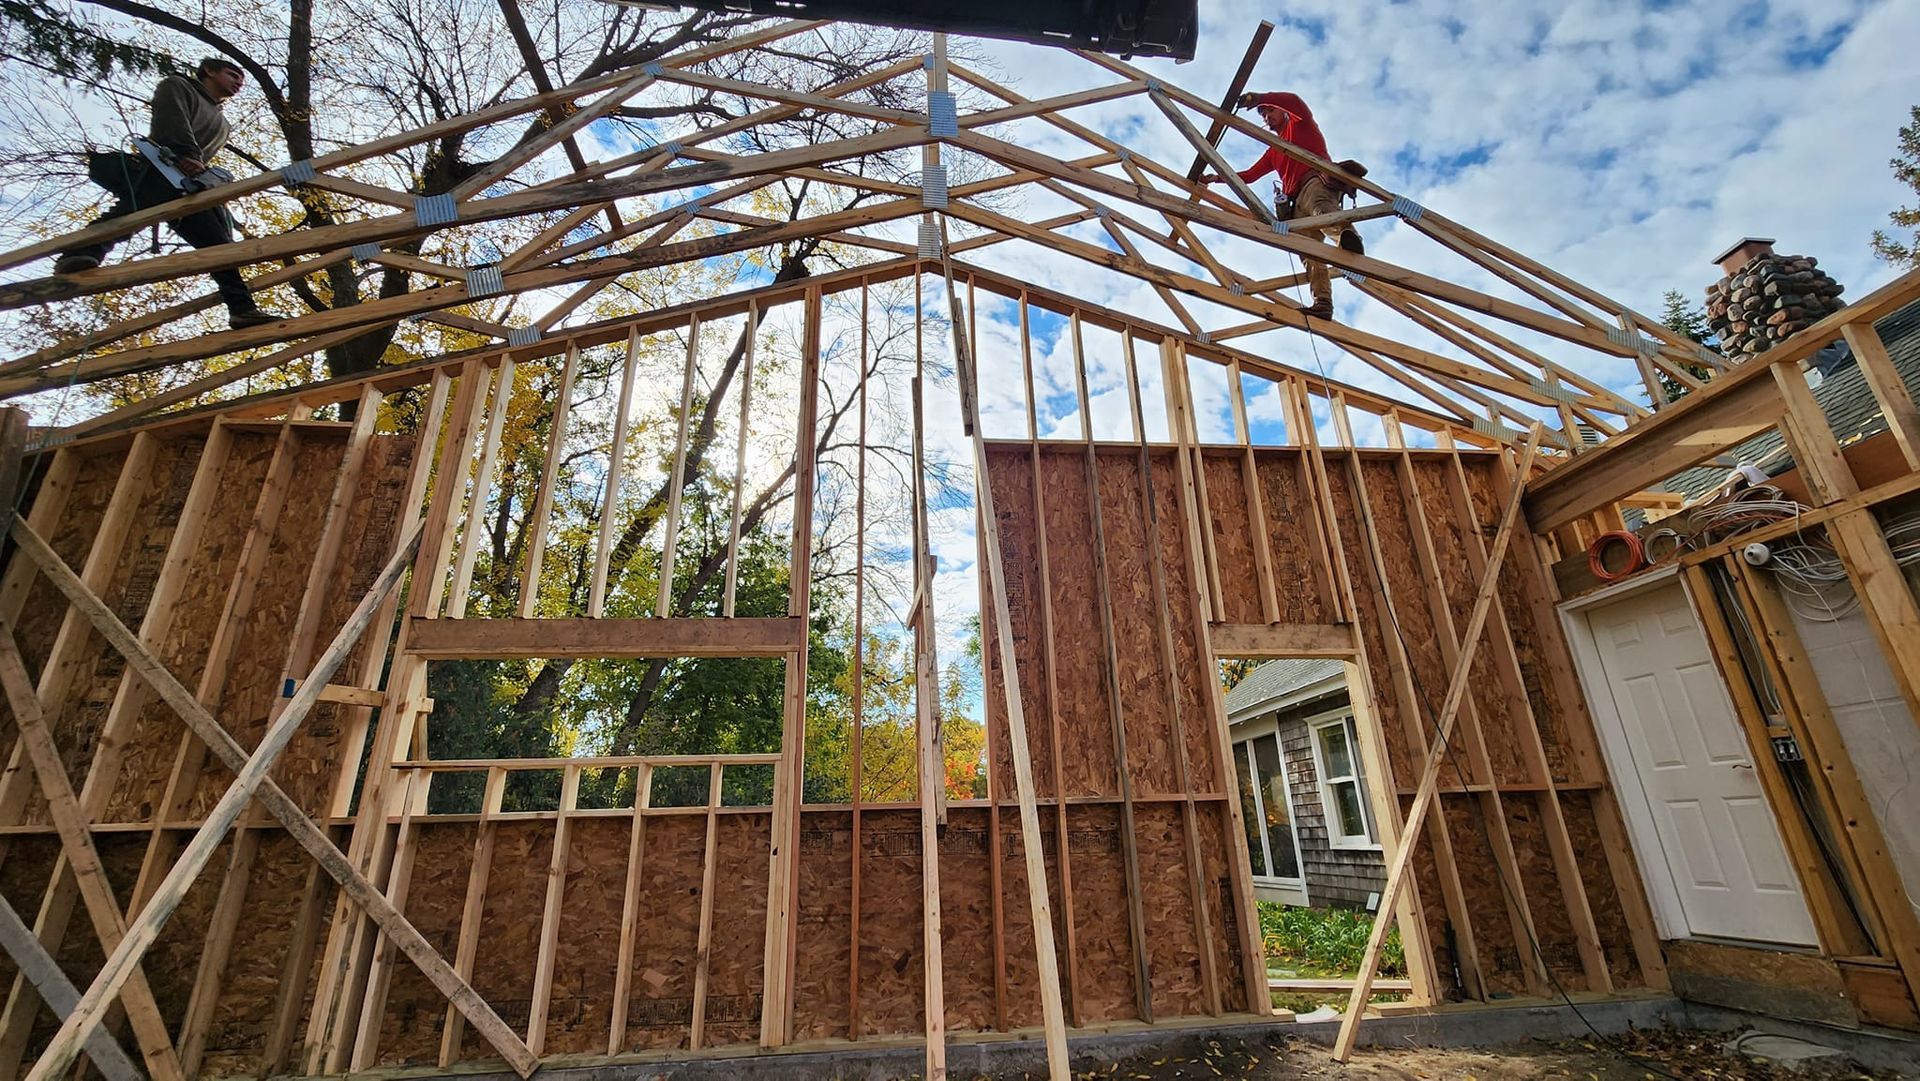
1714 827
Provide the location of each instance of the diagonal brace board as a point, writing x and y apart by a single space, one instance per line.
83 859
59 993
1427 793
252 780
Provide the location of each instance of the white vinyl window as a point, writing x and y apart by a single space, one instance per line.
1343 783
1266 809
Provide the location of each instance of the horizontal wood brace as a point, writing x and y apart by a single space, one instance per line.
701 636
1282 639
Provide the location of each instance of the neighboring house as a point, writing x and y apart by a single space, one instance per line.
1303 790
1843 394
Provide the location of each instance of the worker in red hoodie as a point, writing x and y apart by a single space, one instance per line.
1302 191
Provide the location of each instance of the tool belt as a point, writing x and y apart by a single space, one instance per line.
1340 181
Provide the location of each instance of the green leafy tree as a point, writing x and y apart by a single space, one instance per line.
1687 319
1906 168
36 34
1233 671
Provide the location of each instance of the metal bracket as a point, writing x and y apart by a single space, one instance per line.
485 281
943 114
1236 289
1552 388
435 209
1203 338
295 173
930 247
523 335
1633 340
1488 427
673 147
1408 209
933 186
1354 276
364 253
1281 228
653 68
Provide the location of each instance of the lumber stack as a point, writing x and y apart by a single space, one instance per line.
1768 300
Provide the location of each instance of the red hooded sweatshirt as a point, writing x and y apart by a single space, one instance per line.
1301 131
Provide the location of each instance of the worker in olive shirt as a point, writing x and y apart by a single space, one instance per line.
188 129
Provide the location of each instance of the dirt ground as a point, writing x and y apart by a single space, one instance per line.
1637 1056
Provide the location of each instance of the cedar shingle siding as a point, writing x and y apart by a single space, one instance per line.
1341 878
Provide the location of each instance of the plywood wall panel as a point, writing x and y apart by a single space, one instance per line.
151 750
1086 723
1502 721
1193 668
416 1012
737 979
891 954
250 983
1295 554
1175 935
1010 471
516 896
823 932
1100 914
1226 499
660 1012
966 921
588 947
1142 673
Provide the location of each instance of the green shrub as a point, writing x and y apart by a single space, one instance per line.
1325 941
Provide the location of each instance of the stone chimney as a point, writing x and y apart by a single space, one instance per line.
1765 298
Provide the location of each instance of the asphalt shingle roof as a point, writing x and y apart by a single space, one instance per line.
1275 679
1844 395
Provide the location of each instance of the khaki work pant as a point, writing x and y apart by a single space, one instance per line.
1317 197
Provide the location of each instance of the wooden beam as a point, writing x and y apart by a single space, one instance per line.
251 779
1234 87
1424 795
1283 639
695 636
76 842
51 983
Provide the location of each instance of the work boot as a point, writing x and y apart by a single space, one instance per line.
250 317
1321 308
1350 241
74 262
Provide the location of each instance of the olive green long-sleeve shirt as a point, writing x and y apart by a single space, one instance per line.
186 119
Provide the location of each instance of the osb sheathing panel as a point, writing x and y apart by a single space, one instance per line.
154 744
1215 830
891 954
1106 988
23 879
416 1012
1501 963
1609 913
1166 894
1143 677
966 921
77 718
310 766
511 918
823 935
660 1012
1016 916
736 978
1403 755
1552 924
1011 474
1086 720
71 538
173 961
586 954
262 941
1226 501
254 674
1295 551
1502 720
1564 724
1198 722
